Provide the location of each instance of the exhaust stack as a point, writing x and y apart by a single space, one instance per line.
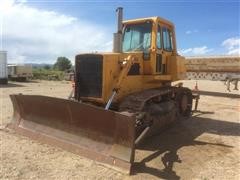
117 37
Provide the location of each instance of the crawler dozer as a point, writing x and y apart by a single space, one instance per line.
120 98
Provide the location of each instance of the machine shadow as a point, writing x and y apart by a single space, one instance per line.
180 135
11 85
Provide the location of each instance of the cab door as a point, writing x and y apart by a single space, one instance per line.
164 48
160 69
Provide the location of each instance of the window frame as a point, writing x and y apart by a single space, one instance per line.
170 37
161 37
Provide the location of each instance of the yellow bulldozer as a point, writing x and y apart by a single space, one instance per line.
120 98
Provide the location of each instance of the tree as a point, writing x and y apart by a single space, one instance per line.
47 67
62 64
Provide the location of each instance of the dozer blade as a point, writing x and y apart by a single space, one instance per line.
98 134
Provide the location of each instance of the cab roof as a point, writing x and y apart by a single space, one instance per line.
154 19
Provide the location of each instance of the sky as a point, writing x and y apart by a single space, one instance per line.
39 31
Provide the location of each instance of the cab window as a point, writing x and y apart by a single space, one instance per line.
167 39
159 38
137 37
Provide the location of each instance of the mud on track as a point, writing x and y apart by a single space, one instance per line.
207 146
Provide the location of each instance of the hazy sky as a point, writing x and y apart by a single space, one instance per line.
39 31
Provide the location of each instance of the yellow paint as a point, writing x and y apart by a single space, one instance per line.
113 75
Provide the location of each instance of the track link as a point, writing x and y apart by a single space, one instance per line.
134 103
156 108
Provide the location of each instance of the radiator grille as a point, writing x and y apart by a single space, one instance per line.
88 75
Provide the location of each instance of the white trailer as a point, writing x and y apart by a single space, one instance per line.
19 72
3 67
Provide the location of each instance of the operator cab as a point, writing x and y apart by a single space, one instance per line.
153 36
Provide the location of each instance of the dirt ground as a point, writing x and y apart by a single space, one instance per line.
206 146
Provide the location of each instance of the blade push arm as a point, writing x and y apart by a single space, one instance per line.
125 65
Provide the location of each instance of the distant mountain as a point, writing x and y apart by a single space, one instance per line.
42 65
35 65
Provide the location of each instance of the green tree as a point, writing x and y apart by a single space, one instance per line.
62 64
47 67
